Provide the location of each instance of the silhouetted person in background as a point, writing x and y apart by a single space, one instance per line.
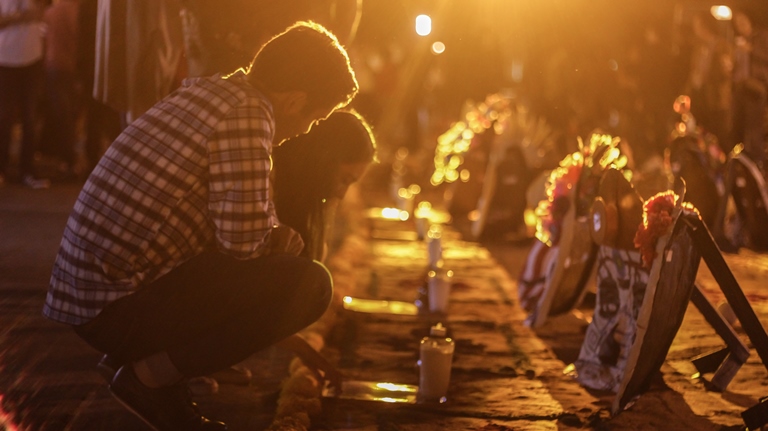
708 80
102 124
750 87
21 78
62 96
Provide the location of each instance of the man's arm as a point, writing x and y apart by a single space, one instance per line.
239 198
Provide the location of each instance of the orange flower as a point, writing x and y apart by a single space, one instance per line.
657 220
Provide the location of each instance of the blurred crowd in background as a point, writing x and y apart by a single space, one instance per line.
93 65
597 65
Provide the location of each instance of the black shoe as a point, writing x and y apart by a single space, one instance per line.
164 409
35 183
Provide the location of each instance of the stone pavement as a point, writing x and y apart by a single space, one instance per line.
505 376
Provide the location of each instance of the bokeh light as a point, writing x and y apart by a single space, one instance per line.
423 25
721 12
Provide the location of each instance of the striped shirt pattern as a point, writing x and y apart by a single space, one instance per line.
191 174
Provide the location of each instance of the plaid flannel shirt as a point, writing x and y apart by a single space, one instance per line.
191 174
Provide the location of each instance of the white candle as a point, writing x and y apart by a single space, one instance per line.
434 246
439 290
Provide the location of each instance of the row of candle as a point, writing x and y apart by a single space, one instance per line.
436 350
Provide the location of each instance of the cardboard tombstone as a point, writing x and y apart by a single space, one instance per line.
746 185
462 196
564 225
502 202
465 151
524 147
668 291
532 280
621 282
571 266
694 155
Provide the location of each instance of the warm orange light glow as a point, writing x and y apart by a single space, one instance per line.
457 140
517 71
390 213
423 211
395 387
530 218
385 392
5 420
435 231
401 153
438 47
375 306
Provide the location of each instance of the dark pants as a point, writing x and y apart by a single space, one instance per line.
62 106
213 311
19 90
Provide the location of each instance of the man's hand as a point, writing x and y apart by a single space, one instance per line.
324 372
284 240
312 359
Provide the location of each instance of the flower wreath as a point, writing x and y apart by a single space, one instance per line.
657 220
465 135
552 210
580 171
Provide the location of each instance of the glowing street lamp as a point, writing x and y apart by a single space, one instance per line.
423 25
721 12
